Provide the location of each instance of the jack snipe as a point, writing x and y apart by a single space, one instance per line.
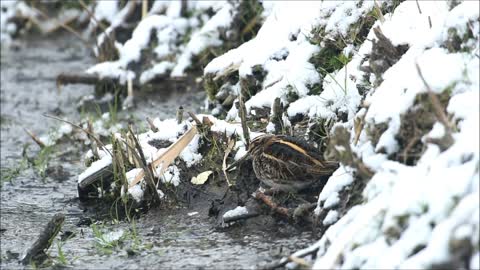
288 164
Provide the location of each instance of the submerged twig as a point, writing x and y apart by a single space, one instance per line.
35 138
37 251
81 78
274 206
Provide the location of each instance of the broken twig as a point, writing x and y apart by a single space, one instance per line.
152 126
276 118
230 145
179 115
242 111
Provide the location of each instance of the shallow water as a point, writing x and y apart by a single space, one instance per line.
166 239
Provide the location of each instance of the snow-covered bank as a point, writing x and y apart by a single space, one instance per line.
405 88
414 124
175 37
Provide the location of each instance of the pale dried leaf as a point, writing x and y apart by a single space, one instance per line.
201 178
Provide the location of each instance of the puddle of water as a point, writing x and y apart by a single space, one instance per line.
168 239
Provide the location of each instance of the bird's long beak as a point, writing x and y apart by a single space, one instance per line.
235 163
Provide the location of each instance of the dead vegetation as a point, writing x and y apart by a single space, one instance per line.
384 55
415 124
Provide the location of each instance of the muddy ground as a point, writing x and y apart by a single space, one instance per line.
169 237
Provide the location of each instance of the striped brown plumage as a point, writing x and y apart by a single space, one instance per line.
288 164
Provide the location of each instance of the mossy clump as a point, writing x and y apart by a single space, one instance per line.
457 42
383 55
211 86
252 83
291 94
331 55
319 132
327 60
248 19
314 89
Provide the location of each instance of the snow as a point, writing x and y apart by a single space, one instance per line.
160 68
110 237
329 195
131 50
330 218
241 152
475 261
95 166
191 214
171 175
105 10
136 191
238 211
190 155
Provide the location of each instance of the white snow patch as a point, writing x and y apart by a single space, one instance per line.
331 217
329 196
238 211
